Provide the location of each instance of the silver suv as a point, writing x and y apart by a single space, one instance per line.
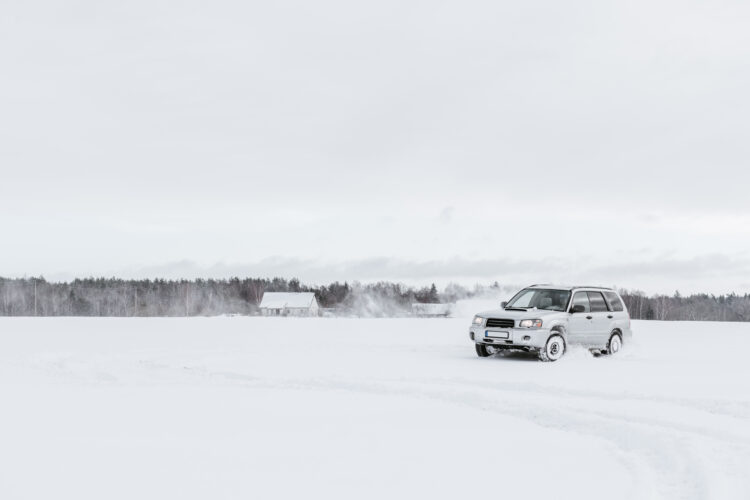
546 319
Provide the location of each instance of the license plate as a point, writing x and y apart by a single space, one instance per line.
497 335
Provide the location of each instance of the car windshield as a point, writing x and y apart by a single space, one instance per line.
552 300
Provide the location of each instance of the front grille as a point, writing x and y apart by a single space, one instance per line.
499 323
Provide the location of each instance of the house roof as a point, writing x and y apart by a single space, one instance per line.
282 300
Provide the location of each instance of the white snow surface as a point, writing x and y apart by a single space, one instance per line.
335 408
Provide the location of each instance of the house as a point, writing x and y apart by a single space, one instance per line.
432 310
289 304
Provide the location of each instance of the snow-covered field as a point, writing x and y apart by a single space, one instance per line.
264 408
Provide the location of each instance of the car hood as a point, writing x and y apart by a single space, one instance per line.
513 314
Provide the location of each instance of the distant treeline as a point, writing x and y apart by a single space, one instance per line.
212 297
116 297
696 307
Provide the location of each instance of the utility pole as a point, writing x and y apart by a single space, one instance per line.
187 307
135 308
35 301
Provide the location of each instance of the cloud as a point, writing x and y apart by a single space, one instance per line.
446 214
478 129
696 268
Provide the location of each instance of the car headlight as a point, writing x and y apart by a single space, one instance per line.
530 323
478 320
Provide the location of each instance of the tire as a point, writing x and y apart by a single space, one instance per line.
553 349
614 345
482 351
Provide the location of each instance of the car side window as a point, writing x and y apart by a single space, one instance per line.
597 302
581 299
615 304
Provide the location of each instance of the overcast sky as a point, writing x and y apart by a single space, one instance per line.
471 141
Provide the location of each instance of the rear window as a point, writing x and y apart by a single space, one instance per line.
614 301
597 302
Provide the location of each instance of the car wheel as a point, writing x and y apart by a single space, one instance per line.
482 350
554 349
614 345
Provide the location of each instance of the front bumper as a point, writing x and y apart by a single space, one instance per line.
522 338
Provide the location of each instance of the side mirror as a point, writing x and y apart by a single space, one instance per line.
503 304
578 308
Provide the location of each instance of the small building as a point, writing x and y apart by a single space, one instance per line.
289 304
431 310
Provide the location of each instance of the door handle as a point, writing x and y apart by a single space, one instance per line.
610 316
588 317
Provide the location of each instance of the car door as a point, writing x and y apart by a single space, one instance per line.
601 320
580 324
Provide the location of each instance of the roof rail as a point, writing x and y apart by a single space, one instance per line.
594 286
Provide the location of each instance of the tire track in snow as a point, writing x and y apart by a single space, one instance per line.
712 406
661 457
666 453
